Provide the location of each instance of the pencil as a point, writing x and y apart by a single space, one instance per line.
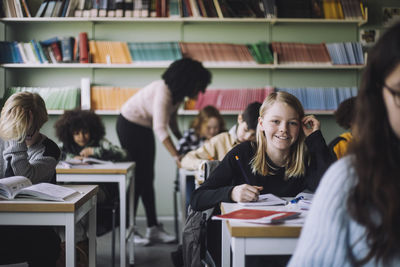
243 172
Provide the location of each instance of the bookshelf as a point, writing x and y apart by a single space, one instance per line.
232 30
229 30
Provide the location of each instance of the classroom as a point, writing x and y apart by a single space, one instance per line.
142 38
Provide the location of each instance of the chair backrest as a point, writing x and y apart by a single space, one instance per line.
209 167
194 245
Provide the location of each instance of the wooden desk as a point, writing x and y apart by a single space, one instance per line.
121 173
39 212
254 239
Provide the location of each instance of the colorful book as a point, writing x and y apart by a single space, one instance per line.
258 216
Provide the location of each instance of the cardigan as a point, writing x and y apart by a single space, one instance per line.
151 107
330 237
217 188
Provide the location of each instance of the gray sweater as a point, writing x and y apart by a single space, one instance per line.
329 232
38 162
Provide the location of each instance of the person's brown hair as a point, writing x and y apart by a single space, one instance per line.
373 201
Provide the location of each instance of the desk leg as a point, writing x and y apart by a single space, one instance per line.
92 233
70 240
182 190
226 245
131 220
122 222
238 252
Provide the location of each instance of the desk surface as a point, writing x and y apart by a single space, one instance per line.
112 168
70 205
243 229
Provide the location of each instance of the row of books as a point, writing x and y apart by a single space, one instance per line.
329 9
347 53
66 49
238 99
64 98
56 98
53 50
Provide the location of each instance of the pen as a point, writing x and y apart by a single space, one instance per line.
297 199
241 168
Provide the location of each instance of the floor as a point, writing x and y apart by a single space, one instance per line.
155 255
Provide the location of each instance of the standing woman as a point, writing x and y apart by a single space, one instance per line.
150 111
355 216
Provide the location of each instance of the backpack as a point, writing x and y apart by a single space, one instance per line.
194 236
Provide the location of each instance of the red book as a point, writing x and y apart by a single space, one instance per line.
83 48
55 47
258 216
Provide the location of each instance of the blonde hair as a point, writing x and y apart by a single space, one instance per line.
14 120
295 162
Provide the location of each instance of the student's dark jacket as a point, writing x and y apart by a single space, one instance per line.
217 188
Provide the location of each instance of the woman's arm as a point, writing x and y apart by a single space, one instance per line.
173 125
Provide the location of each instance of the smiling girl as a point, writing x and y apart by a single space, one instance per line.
289 156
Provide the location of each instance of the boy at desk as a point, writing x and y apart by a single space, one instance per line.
217 147
289 155
27 152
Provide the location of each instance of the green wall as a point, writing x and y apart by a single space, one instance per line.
222 78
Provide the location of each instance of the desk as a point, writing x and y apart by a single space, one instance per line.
121 173
39 212
253 239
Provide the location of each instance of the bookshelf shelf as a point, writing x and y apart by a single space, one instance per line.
162 65
182 20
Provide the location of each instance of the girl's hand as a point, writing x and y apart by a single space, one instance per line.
245 193
87 152
310 124
78 157
178 161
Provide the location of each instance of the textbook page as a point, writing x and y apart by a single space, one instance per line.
47 191
20 186
10 186
265 200
85 161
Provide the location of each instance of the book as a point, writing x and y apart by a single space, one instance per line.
265 200
258 216
85 161
20 186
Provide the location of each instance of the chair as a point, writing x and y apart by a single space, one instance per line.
195 230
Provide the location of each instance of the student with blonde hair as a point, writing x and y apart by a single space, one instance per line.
289 156
27 152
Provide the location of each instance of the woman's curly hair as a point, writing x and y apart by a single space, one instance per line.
76 120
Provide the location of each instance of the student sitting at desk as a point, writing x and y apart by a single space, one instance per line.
27 152
206 125
217 147
355 216
288 156
82 135
344 116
